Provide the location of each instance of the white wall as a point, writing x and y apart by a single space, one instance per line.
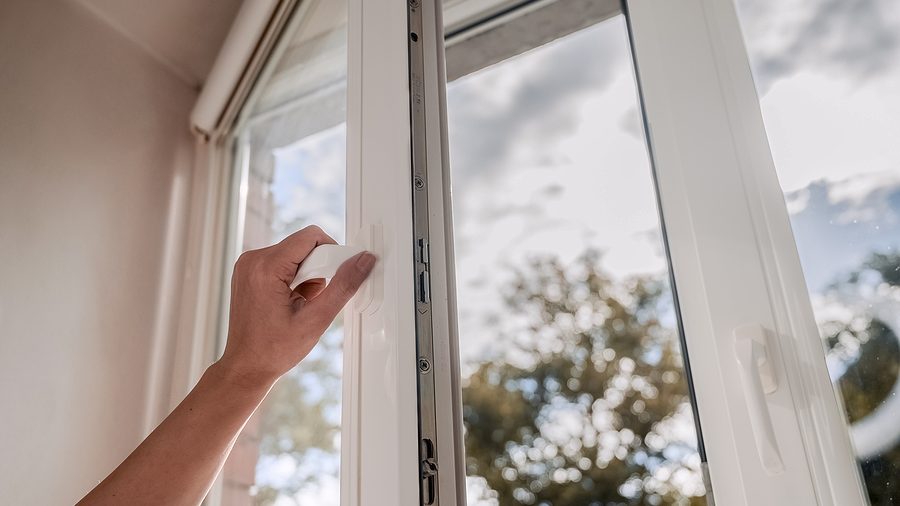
93 133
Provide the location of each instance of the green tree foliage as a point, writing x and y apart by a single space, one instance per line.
584 404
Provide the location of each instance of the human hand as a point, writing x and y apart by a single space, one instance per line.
272 328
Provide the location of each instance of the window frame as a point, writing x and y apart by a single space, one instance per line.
381 462
703 126
703 118
259 36
708 99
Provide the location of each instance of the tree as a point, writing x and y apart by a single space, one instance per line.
587 403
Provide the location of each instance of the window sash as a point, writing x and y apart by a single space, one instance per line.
381 459
734 258
722 208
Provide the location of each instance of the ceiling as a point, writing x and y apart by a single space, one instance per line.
184 35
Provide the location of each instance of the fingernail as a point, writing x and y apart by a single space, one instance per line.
366 261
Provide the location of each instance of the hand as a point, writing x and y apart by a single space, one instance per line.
271 328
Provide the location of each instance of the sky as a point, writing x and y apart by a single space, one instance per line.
535 138
828 74
547 160
548 156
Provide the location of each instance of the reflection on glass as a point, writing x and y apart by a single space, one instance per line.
828 75
574 385
291 149
299 431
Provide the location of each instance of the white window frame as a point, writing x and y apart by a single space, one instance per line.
732 254
381 459
734 259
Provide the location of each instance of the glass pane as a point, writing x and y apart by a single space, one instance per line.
574 385
828 75
290 149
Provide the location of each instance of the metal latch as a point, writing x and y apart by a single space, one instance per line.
429 473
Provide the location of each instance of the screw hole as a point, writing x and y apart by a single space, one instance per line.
414 36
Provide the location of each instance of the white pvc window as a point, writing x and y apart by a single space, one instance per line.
683 150
773 431
771 426
828 80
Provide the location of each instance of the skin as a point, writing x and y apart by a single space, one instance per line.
271 329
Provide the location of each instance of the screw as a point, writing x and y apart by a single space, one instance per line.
424 365
419 183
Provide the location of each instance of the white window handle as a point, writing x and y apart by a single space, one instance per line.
323 262
758 379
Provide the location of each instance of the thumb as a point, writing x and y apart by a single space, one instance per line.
319 312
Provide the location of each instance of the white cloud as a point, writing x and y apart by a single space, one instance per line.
542 166
309 182
839 39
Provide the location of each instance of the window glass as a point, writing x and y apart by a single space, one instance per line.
574 384
290 173
828 75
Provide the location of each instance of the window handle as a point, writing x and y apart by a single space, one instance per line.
323 262
758 379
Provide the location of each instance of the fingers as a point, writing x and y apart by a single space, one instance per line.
294 248
320 311
310 289
297 246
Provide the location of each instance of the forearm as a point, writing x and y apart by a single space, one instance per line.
271 327
188 448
